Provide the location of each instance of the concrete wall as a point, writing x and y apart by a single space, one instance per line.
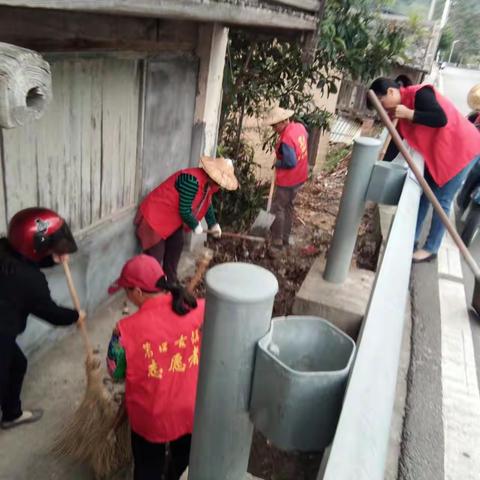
169 110
330 104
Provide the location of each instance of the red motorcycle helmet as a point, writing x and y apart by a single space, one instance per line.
35 233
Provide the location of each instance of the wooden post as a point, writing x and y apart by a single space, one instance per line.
25 85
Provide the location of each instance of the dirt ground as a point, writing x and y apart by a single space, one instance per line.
316 210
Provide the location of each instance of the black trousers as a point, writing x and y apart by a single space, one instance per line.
13 365
168 253
149 458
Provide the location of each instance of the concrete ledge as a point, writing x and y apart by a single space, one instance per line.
248 476
342 304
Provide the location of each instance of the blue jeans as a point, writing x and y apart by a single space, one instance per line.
445 196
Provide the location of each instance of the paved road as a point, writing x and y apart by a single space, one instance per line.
456 84
441 437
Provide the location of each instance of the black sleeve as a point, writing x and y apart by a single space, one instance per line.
428 111
472 117
43 306
391 153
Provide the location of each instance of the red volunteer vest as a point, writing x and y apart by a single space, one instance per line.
296 137
162 353
160 208
446 150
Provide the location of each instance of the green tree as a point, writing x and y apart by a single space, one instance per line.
464 22
259 70
446 39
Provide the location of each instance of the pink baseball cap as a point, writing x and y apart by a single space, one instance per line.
141 271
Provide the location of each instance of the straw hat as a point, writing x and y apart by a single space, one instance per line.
277 115
473 98
220 170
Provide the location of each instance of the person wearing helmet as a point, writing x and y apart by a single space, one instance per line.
36 238
178 204
156 350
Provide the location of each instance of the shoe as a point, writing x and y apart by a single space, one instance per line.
28 416
277 244
423 256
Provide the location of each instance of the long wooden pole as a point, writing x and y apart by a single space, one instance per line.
425 187
76 303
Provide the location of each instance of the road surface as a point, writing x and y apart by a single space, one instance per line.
456 84
441 438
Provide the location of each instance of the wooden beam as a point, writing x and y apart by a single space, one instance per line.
53 30
3 196
309 5
219 12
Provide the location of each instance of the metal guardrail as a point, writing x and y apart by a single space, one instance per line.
360 446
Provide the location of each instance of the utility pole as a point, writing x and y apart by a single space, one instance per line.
446 12
432 10
451 50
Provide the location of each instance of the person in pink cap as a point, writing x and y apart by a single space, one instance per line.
157 351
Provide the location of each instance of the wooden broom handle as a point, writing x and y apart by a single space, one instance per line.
76 303
202 266
426 188
272 189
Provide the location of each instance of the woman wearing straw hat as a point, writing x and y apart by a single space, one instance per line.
291 171
157 351
473 100
179 203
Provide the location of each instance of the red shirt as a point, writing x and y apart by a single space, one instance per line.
162 354
160 208
446 150
295 136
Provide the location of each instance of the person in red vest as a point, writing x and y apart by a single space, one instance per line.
291 164
448 142
156 350
178 204
473 179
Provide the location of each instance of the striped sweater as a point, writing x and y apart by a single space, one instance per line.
187 187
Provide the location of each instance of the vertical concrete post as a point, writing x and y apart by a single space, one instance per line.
211 50
352 205
238 313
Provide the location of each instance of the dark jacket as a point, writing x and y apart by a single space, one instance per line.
23 291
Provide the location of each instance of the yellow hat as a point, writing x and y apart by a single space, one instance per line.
220 170
277 115
473 98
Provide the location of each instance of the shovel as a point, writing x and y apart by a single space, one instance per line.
472 264
263 222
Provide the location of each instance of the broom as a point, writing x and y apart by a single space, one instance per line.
98 407
111 440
